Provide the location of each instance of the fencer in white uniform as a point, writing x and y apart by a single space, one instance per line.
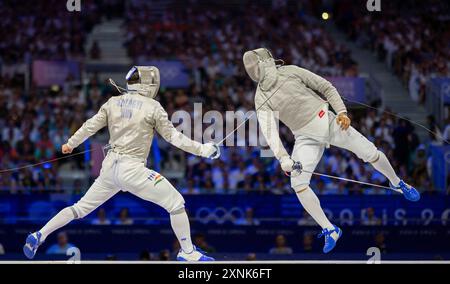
131 119
300 99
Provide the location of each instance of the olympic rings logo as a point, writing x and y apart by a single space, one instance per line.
219 215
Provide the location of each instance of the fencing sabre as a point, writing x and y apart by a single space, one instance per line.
398 116
119 88
298 169
44 162
251 115
104 148
343 179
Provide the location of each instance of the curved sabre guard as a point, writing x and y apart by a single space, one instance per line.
297 167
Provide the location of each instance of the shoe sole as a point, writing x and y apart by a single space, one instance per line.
30 243
203 258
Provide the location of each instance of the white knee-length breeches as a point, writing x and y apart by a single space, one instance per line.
309 151
121 172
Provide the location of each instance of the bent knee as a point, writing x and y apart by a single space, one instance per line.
301 188
373 155
301 181
175 203
81 210
369 152
178 211
76 211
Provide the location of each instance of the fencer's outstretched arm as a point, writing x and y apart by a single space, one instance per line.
90 127
166 129
322 86
268 125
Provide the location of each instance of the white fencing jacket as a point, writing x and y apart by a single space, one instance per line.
295 96
131 119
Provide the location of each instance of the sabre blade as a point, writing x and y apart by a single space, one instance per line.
119 88
250 116
352 180
44 162
399 117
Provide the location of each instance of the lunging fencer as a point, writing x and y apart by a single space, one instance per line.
300 99
132 119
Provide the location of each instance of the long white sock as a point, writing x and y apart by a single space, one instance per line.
181 227
383 166
311 203
60 220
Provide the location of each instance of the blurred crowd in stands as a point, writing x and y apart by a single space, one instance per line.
35 125
211 39
44 30
219 81
415 44
210 42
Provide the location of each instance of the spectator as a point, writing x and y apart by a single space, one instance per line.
26 148
95 52
164 255
248 219
308 241
124 217
380 242
101 218
280 246
370 219
190 188
44 147
175 247
145 255
61 246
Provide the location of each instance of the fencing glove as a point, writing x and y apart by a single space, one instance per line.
210 150
290 166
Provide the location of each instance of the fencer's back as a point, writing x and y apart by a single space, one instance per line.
129 124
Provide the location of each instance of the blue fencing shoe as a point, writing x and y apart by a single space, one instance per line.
330 238
195 255
32 243
408 191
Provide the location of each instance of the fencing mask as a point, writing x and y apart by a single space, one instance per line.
144 79
253 58
260 66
